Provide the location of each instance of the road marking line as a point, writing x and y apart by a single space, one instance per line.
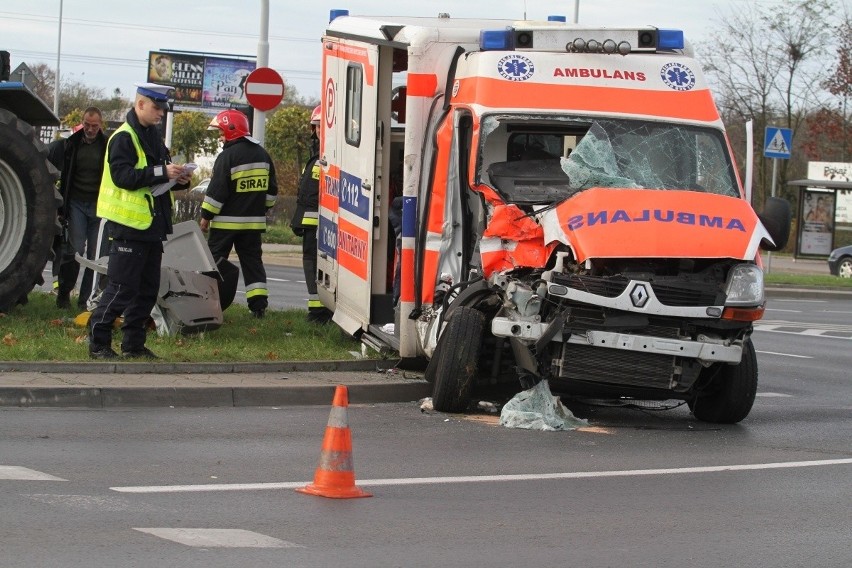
14 472
483 478
788 311
774 395
218 538
786 355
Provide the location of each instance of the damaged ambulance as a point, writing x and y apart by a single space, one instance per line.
526 201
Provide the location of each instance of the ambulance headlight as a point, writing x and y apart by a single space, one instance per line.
744 286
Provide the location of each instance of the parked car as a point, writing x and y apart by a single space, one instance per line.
202 186
840 262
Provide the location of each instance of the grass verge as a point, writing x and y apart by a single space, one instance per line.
39 331
808 281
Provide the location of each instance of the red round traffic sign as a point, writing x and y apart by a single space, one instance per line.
264 88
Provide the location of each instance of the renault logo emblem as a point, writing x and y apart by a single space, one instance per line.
639 296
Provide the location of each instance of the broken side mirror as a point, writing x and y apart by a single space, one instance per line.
777 215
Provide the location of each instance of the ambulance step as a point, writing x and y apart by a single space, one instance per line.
380 340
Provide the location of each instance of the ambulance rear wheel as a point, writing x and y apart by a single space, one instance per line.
730 394
453 368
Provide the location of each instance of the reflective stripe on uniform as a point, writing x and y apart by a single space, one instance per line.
212 205
256 289
235 223
310 219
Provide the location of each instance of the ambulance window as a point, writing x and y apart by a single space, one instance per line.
354 91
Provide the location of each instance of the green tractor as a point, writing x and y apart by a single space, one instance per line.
29 200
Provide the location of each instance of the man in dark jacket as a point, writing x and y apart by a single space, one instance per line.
242 188
135 199
80 158
305 223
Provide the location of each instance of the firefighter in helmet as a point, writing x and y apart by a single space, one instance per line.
306 222
242 188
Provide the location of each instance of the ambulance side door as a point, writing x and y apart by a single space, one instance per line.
356 143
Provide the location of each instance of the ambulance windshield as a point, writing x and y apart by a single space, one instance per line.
551 159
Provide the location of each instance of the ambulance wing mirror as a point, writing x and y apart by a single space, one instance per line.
776 217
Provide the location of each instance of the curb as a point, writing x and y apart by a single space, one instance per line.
221 396
155 368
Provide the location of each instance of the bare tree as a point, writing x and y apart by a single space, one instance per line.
767 62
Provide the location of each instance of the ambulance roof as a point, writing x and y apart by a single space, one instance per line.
401 31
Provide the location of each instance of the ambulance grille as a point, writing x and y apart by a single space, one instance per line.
680 293
615 367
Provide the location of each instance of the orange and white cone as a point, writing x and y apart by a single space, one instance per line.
335 476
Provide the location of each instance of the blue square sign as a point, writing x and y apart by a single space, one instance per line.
778 142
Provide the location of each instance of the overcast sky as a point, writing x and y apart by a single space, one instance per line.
105 43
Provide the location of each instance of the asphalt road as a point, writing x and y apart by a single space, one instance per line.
639 487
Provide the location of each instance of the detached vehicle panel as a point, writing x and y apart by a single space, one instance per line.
570 212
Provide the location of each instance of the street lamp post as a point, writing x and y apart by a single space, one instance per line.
259 126
58 55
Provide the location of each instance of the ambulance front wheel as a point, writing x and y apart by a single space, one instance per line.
453 367
729 395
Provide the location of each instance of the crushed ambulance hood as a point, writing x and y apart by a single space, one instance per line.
631 223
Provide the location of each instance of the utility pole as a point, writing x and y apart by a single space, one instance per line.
58 57
259 127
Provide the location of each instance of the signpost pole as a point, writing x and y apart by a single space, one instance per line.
259 126
772 193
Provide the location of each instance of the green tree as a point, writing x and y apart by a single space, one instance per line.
288 140
74 94
190 136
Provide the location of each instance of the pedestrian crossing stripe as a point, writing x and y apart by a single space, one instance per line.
18 473
218 538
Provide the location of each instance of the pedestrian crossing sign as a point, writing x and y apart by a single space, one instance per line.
778 142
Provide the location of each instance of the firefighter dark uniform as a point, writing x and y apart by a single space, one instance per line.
305 224
137 222
242 188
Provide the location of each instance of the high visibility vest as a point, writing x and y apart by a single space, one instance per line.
133 209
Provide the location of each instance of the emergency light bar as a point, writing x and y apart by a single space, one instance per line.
574 40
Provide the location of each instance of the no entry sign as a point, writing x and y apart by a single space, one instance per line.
264 88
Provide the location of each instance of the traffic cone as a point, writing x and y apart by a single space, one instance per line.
335 477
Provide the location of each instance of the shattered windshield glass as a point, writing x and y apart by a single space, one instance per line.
602 152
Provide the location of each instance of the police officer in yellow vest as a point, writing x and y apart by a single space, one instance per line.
136 202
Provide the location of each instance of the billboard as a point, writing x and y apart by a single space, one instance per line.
201 83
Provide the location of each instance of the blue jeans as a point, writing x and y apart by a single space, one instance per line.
83 224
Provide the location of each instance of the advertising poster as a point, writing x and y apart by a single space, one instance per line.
818 222
183 72
224 82
201 83
835 171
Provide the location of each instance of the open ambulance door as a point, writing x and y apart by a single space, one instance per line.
346 199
